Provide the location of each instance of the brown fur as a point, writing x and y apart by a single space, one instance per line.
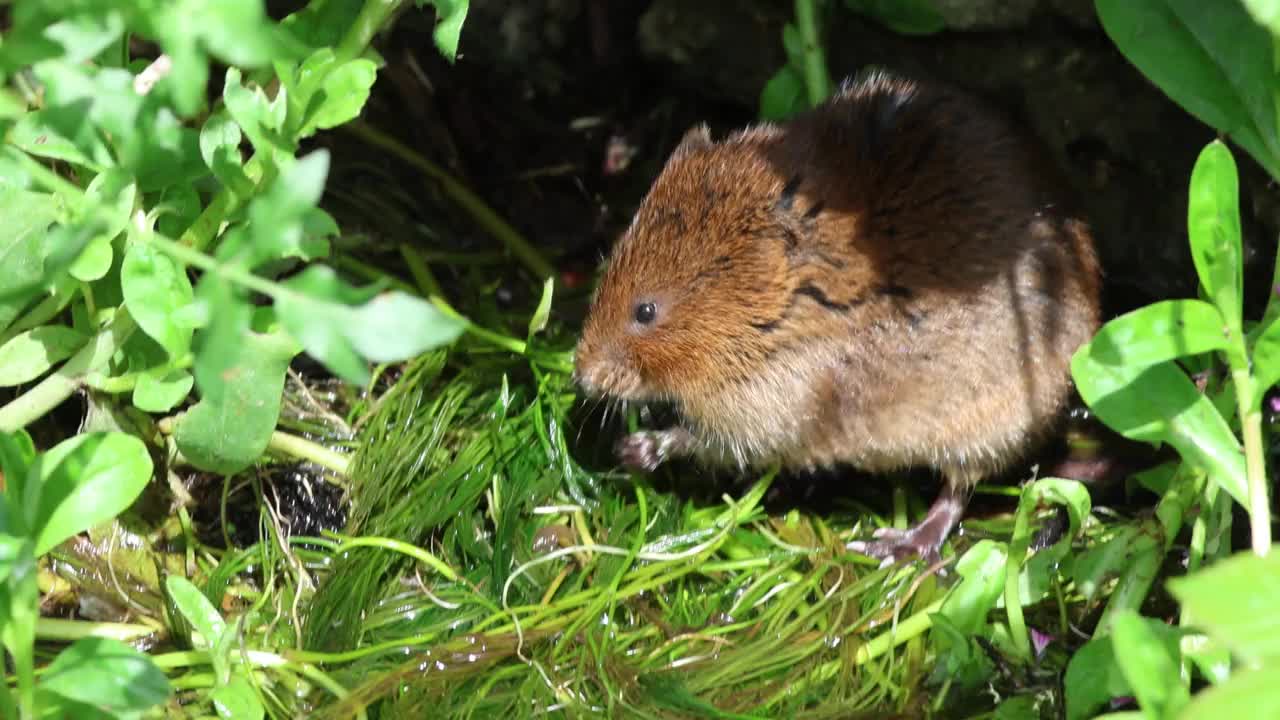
890 280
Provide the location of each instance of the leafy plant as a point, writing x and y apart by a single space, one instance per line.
49 497
154 201
804 80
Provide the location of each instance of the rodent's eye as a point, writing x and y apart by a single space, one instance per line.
645 312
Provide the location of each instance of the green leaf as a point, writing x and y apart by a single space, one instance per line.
783 96
1213 225
1234 600
1147 652
147 139
28 216
1093 678
908 17
17 453
1159 332
85 480
389 327
1210 58
237 700
155 288
543 312
982 574
1160 404
162 389
1266 13
450 15
1100 563
1248 694
220 148
75 38
197 610
219 347
280 217
106 674
1019 707
237 32
229 428
341 97
260 119
111 195
1040 570
30 354
33 134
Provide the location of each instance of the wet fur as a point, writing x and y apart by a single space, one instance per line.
890 280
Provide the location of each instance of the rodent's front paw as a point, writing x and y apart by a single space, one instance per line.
641 451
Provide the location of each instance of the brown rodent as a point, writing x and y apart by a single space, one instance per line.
890 280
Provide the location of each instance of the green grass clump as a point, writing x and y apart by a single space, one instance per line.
551 587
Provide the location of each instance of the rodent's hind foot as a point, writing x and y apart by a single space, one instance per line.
647 449
892 545
925 538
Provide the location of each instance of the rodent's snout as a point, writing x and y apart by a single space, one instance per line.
600 372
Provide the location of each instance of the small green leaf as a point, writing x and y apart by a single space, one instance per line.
1147 652
982 574
33 134
161 390
28 216
237 700
30 354
17 453
1248 694
155 288
260 119
1158 332
220 148
1213 225
389 327
85 480
107 675
197 610
112 195
1093 678
1160 404
543 312
783 96
1234 600
73 38
341 97
228 429
1019 707
450 15
1100 563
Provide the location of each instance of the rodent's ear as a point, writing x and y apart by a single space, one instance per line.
697 137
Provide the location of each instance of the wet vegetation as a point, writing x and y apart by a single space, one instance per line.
287 304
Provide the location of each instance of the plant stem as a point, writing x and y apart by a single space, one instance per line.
1255 465
59 630
817 81
469 201
305 449
372 17
59 386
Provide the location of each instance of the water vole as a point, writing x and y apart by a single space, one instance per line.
893 279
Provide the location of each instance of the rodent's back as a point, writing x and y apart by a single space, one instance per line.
892 278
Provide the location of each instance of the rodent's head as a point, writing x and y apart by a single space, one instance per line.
693 289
